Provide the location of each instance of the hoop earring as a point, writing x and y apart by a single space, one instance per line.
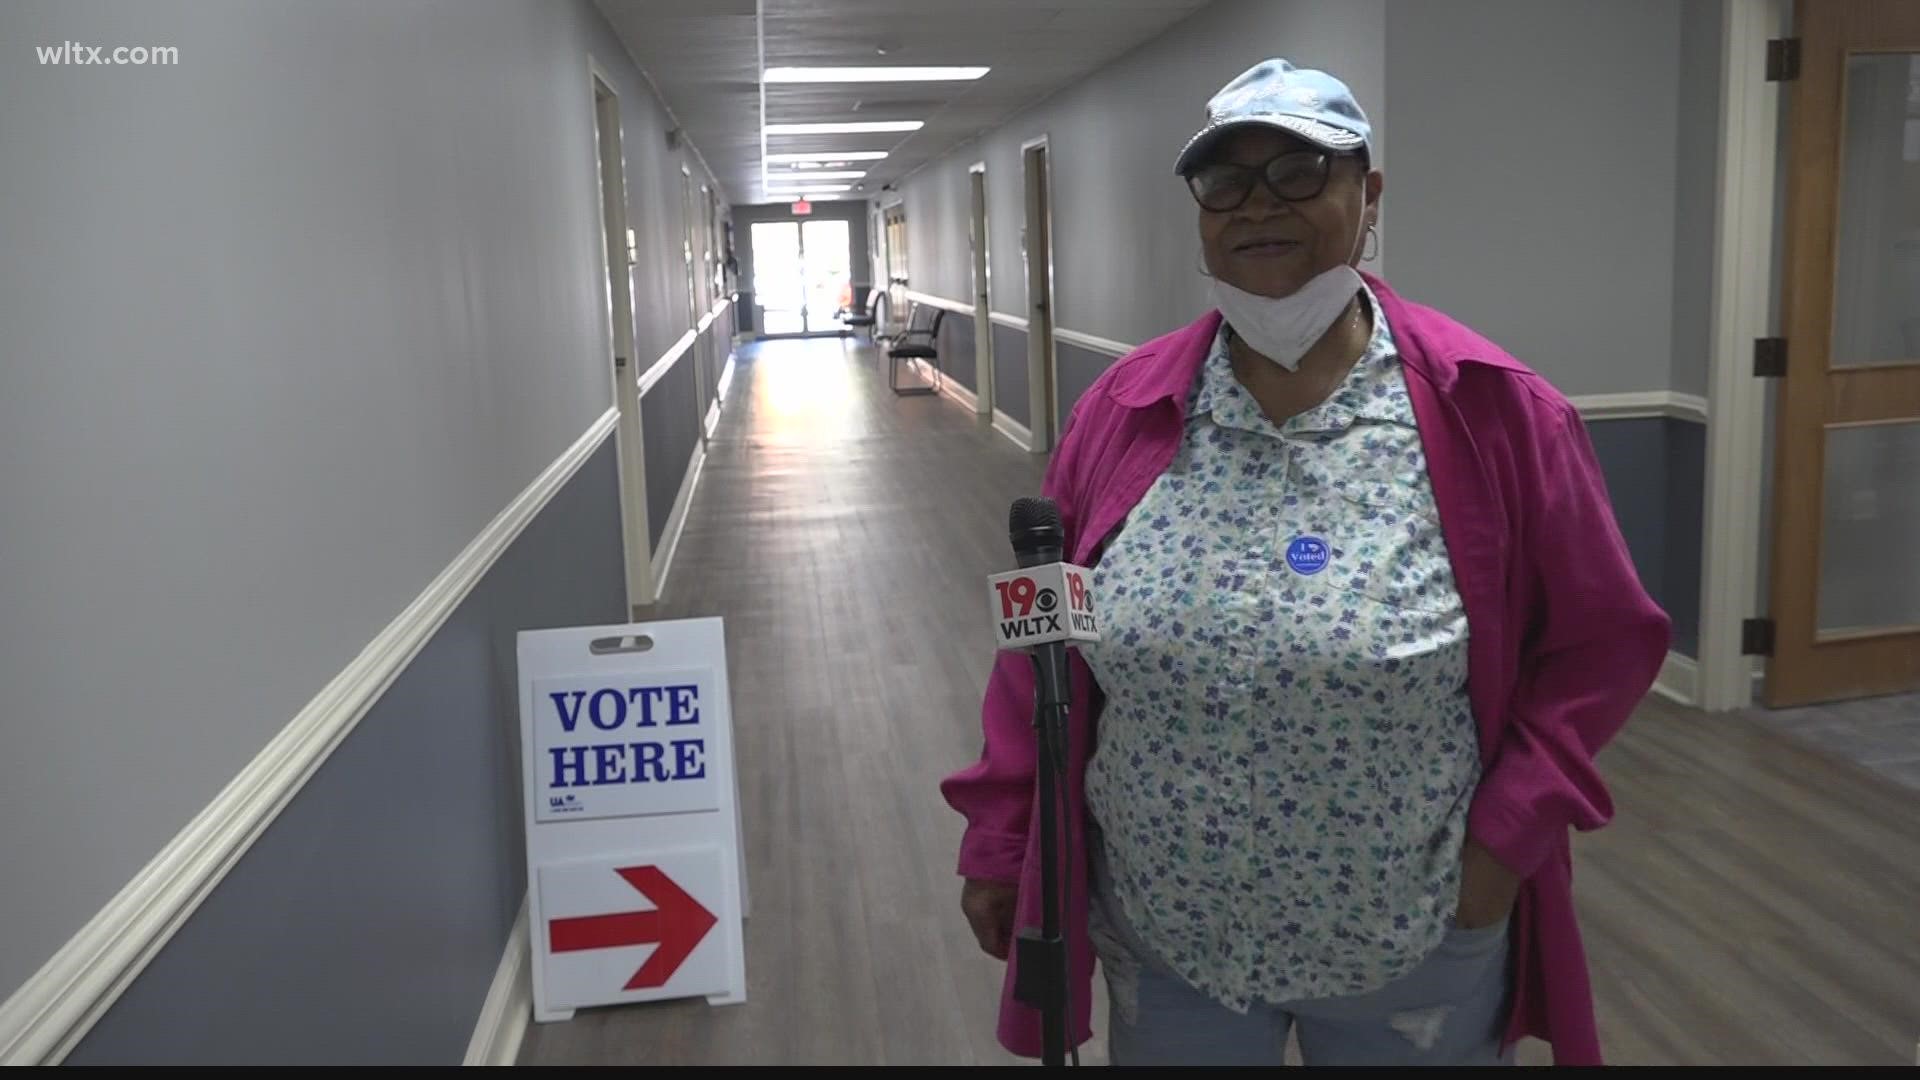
1372 250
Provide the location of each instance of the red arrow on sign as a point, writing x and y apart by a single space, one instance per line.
677 923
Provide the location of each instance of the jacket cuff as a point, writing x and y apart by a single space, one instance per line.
992 856
1517 840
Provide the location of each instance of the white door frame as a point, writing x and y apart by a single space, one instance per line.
876 253
622 366
895 317
1042 362
1744 252
709 354
687 212
982 290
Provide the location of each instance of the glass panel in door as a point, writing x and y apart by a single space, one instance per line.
824 247
1876 303
779 287
1870 538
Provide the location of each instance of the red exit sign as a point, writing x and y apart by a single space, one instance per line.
802 207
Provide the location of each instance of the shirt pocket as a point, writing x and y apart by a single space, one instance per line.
1391 550
1370 485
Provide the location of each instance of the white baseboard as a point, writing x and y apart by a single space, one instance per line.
948 385
713 417
49 1014
509 1008
726 378
1679 679
1013 429
677 521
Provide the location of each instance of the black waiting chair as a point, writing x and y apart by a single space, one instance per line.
880 306
919 341
862 313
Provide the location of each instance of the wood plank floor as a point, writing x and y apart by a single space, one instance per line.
1756 901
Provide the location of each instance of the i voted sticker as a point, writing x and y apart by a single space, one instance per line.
1307 555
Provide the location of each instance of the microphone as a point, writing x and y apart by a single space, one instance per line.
1042 607
1034 526
1048 602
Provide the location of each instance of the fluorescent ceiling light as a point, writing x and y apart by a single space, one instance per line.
872 74
810 177
809 190
858 127
844 155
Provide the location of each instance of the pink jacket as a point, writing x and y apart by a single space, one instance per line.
1564 642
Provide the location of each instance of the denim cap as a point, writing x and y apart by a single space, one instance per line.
1312 105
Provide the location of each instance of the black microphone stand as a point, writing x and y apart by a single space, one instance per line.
1042 980
1034 527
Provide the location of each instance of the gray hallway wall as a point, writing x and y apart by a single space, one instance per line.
670 427
1010 394
285 326
364 926
957 350
1655 468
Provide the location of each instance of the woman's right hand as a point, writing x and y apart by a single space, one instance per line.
989 909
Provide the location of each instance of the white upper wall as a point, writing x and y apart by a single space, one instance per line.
1126 246
1539 185
1532 193
1697 192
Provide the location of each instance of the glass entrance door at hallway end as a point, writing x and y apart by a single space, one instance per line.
802 276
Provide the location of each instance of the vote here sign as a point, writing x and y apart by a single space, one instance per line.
637 888
621 746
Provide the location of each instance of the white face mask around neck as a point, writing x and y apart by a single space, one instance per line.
1283 328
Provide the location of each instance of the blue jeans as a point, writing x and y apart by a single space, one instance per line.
1450 1010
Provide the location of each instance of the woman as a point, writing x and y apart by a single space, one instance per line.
1367 619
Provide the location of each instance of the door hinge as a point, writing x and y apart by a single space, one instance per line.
1770 357
1783 59
619 362
1756 637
